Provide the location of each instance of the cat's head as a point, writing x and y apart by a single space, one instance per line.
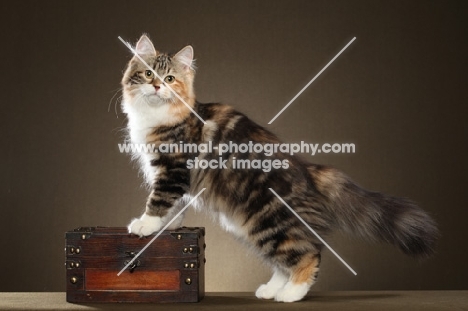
143 88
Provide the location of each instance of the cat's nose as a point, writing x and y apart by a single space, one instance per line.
157 87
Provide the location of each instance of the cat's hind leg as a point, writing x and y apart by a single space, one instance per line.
269 290
303 276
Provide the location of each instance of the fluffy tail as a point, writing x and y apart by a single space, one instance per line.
376 216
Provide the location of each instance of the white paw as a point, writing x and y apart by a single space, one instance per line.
269 290
292 292
266 291
145 225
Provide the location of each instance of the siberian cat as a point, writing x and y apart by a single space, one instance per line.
240 198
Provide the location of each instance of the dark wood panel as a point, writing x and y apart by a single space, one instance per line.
138 280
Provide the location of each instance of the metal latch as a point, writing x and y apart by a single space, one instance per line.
134 264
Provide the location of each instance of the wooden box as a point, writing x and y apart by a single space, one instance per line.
171 269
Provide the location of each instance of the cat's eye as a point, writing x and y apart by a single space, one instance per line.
149 74
169 79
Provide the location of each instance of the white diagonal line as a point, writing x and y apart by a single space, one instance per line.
160 231
313 231
162 81
310 82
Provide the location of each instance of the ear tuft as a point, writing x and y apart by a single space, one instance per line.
145 46
185 56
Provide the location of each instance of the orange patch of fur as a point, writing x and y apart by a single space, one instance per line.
305 269
328 180
179 109
288 244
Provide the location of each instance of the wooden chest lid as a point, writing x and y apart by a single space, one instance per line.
117 242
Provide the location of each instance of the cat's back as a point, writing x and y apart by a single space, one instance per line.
233 125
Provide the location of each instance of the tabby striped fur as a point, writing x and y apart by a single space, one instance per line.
239 198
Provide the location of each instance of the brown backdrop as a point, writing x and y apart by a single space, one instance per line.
398 93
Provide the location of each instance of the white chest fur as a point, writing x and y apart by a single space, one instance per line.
143 117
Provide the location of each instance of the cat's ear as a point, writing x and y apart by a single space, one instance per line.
185 56
145 46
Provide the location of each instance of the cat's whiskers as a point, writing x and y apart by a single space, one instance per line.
142 97
171 100
147 101
118 100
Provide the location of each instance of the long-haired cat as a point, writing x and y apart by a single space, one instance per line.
240 198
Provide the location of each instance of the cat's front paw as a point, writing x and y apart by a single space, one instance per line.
146 225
